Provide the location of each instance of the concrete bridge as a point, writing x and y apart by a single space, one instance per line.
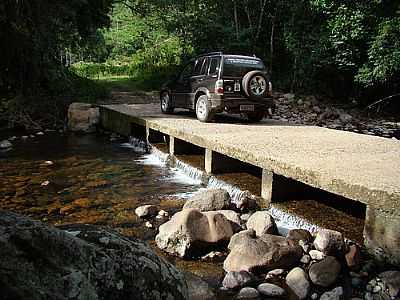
354 167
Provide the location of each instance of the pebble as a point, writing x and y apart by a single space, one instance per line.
149 225
146 211
314 296
276 272
316 255
297 280
271 290
212 255
163 213
248 293
45 183
305 259
40 133
334 294
31 136
13 138
24 137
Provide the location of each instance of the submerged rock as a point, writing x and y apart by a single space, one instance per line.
209 200
190 231
262 223
198 288
145 211
83 117
252 253
42 262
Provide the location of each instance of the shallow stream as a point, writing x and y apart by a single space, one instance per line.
66 179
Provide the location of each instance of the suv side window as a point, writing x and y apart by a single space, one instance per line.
214 66
198 67
187 71
204 68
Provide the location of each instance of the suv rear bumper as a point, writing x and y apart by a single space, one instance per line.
221 103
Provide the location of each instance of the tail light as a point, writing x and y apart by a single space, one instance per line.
219 87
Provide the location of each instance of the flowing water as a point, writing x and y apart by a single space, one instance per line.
66 179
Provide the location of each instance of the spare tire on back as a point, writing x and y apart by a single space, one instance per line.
255 84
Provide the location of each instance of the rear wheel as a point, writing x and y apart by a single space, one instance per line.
255 116
203 109
166 104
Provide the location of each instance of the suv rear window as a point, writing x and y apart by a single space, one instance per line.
238 67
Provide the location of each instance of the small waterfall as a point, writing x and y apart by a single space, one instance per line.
286 221
234 191
194 173
138 145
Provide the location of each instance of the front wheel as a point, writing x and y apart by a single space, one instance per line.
203 109
256 116
166 104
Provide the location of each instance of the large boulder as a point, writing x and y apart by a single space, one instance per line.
190 231
83 117
233 217
262 222
208 200
267 252
325 272
85 262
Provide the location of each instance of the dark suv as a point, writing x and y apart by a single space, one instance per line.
216 82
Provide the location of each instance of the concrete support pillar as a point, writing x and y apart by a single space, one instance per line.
382 234
171 145
208 161
266 186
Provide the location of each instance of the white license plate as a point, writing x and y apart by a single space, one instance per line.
247 107
237 87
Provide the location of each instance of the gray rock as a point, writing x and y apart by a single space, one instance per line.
316 109
334 294
83 117
145 211
305 259
300 235
249 252
262 223
391 279
209 200
316 255
5 144
276 272
236 280
271 290
191 231
198 288
325 272
233 217
42 262
330 242
289 96
345 118
298 282
248 293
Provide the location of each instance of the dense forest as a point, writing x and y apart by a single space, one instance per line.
340 49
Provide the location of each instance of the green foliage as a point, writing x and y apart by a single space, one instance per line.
383 63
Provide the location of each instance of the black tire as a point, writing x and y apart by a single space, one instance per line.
255 116
165 103
255 84
203 109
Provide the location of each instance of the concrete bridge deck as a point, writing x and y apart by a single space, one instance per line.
358 167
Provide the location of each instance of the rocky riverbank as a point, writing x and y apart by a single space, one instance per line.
259 263
309 110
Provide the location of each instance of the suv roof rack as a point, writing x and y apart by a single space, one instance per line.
211 53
